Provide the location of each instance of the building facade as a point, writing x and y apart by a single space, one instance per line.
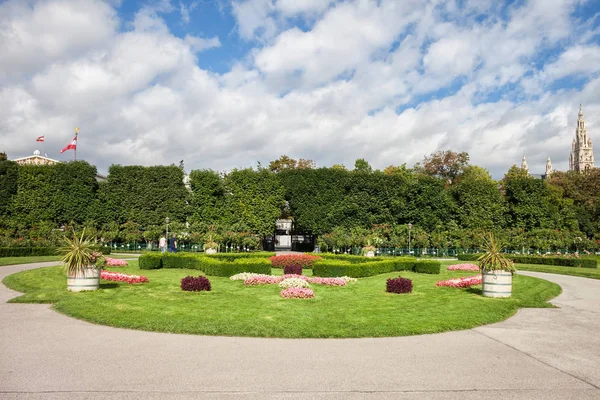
582 154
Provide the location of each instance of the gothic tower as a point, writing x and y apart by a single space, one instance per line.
582 154
524 165
548 168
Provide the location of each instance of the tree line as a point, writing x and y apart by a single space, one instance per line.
448 201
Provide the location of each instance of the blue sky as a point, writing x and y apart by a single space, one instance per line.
226 84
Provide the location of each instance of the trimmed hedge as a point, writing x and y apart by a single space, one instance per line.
209 265
41 251
427 267
529 259
346 257
336 268
150 261
227 269
235 256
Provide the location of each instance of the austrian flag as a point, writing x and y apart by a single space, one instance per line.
40 139
70 146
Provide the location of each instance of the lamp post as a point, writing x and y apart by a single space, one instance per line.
167 221
409 228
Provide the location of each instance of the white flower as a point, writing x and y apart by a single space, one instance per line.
293 283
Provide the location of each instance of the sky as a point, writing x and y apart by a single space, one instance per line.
231 84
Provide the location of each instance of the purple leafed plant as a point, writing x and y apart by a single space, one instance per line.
399 285
195 283
292 270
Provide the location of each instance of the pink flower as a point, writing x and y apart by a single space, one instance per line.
328 281
119 277
262 280
297 293
461 282
463 267
115 262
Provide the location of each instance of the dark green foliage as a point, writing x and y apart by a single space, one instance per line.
150 261
346 257
427 267
41 251
530 259
565 262
59 193
9 175
404 263
144 195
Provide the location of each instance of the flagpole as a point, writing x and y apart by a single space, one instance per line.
76 142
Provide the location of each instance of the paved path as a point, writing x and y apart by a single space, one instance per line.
537 354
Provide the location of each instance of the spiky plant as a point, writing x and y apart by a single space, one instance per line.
77 253
492 258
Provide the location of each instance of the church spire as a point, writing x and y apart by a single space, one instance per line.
524 164
582 154
548 168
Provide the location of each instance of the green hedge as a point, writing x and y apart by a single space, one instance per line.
347 257
530 259
236 256
41 251
427 267
150 261
559 261
209 265
227 269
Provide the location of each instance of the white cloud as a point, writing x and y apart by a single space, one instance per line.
352 83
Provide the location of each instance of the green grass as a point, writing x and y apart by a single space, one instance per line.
593 273
363 309
27 260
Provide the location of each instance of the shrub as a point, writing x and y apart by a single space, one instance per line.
532 259
427 267
119 277
182 260
150 261
337 268
292 269
298 260
349 258
214 267
403 263
195 283
235 256
399 285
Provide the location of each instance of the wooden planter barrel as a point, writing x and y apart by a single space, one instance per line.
497 284
88 279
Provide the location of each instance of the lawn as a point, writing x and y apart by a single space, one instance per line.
362 309
593 273
27 260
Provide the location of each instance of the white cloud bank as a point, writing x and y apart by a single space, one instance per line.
388 81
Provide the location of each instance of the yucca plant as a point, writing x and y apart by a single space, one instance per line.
77 253
492 258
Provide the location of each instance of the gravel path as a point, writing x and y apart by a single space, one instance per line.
537 354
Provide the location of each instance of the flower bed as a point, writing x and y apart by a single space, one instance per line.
115 262
262 280
251 279
297 293
463 267
461 282
195 283
302 260
293 283
119 277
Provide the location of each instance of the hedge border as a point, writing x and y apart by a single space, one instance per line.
526 259
337 268
41 251
210 265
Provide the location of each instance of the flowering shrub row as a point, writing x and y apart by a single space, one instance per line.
297 293
195 283
119 277
461 282
115 262
302 260
463 267
293 283
251 279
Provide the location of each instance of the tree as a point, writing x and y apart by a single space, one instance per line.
284 162
3 156
445 164
361 165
